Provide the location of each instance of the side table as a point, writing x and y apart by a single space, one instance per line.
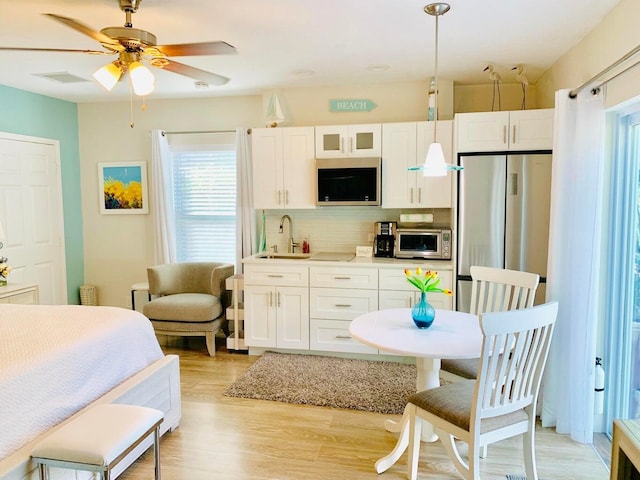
139 287
625 450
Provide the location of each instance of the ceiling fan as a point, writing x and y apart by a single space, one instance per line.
133 45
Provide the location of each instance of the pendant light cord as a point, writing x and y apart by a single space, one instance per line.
435 102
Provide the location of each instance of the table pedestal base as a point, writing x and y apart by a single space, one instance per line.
428 376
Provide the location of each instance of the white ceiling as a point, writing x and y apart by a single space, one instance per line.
298 43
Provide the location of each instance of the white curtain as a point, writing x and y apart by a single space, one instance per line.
161 193
245 215
573 269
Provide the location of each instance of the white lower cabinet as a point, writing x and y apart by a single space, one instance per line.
336 296
276 303
396 292
334 336
308 307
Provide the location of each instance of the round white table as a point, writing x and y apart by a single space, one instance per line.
452 335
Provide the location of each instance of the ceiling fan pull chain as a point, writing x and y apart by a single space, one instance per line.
132 123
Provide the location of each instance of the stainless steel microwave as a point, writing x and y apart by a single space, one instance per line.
423 243
348 181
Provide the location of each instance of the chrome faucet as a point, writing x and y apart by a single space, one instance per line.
292 244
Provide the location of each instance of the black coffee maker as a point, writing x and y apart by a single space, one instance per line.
385 239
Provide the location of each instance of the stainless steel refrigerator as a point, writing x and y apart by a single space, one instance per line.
503 216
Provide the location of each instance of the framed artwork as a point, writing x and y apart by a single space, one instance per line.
123 188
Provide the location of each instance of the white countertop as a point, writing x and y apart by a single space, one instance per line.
374 262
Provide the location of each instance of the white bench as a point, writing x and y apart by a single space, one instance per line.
99 439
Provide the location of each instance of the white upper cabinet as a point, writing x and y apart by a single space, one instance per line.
504 131
405 145
335 141
283 167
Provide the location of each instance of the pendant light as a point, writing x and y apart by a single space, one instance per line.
435 164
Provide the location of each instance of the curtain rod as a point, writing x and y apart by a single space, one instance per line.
201 131
574 93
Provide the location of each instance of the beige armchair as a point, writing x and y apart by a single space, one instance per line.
190 299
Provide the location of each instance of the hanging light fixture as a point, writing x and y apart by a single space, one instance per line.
435 164
141 77
108 75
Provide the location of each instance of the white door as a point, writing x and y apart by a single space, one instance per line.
260 316
31 212
292 328
267 168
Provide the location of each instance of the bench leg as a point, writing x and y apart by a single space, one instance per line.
156 451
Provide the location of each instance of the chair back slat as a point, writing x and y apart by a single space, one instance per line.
499 290
514 352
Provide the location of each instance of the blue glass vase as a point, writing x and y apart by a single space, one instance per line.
423 312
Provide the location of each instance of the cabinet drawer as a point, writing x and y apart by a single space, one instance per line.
341 304
336 277
276 275
26 298
334 336
395 279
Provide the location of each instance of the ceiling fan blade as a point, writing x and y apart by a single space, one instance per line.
97 36
192 49
196 73
25 49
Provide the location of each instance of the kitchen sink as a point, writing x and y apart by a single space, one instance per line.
284 256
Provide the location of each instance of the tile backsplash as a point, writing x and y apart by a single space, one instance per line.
335 229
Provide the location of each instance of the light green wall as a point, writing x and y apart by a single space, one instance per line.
26 113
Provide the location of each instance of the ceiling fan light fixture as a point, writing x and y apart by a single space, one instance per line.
141 78
108 75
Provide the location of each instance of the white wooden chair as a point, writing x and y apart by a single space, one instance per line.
493 290
500 403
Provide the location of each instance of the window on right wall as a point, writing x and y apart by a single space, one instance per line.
621 258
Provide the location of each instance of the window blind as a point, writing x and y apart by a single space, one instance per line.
204 180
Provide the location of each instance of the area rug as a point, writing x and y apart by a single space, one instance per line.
328 381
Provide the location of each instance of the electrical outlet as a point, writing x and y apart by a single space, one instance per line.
371 237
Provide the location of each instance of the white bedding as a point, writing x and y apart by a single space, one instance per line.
54 360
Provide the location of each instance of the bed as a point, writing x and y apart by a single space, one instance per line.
56 361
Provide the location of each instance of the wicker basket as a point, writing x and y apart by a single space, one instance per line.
88 295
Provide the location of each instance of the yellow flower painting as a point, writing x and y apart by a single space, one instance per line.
123 188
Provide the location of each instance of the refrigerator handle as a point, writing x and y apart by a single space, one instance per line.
513 184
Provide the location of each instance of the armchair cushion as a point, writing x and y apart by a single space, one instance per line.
184 307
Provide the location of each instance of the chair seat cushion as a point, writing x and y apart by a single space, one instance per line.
465 368
453 401
184 307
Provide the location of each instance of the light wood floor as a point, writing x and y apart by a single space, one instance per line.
229 438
